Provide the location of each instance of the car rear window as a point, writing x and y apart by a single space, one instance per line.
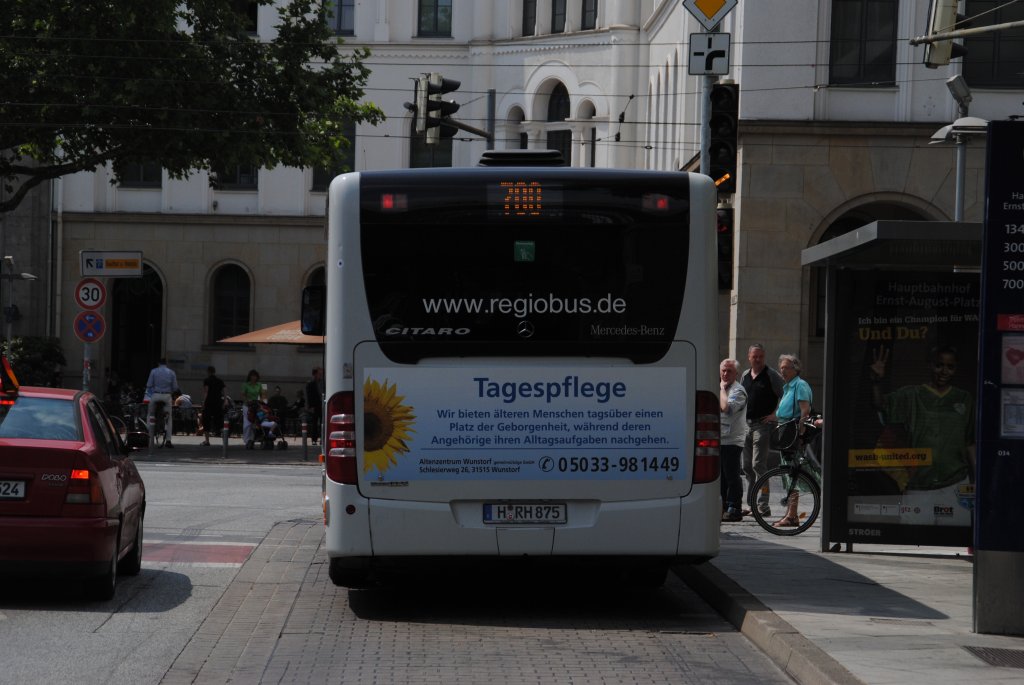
42 419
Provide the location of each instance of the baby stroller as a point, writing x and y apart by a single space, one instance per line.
266 428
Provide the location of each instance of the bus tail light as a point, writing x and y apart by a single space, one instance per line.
706 464
340 458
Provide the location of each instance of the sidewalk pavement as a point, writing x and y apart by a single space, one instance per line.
187 448
877 615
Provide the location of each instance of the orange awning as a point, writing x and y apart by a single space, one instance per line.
284 333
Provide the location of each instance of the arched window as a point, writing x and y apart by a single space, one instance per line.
558 104
229 306
558 111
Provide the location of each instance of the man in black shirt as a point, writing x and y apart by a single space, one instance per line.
314 403
764 388
213 405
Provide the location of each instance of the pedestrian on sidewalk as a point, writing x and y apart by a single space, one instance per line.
213 404
732 402
314 402
160 386
763 385
795 404
252 395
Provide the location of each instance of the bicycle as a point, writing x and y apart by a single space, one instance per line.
160 436
794 484
133 415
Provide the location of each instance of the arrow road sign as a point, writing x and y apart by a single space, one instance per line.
709 54
89 326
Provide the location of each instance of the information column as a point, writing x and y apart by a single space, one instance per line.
999 523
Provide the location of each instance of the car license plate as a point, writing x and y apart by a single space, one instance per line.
12 489
524 512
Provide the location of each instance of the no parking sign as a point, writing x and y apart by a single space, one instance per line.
89 326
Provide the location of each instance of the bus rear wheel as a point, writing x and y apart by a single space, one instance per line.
346 576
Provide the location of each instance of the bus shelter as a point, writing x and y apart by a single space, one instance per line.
901 348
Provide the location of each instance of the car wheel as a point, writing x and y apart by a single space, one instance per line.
102 587
132 563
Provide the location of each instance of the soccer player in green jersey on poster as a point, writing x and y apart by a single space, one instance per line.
940 418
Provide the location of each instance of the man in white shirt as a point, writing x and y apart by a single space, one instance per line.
732 402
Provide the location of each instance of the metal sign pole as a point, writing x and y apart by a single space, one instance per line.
705 126
86 365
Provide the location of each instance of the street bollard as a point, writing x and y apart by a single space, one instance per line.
224 432
151 424
305 453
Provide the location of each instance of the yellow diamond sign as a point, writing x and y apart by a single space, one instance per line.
709 12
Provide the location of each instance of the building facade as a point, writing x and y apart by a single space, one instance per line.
835 118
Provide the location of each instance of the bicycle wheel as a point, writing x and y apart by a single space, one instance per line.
783 488
119 425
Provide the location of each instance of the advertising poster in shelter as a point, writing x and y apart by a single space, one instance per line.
907 373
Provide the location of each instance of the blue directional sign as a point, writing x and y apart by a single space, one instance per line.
121 264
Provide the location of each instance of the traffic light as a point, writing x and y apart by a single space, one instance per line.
942 18
434 110
725 114
725 237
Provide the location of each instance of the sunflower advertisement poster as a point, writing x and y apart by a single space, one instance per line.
524 423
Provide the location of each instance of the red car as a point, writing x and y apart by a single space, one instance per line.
71 500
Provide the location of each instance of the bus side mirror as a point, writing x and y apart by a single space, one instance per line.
313 299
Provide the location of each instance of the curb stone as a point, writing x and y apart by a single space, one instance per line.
782 643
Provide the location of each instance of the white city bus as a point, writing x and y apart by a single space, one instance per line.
520 361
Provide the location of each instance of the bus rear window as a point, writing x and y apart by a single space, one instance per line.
517 263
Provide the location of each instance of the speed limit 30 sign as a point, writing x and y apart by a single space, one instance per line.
90 293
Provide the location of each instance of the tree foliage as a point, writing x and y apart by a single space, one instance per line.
179 82
36 360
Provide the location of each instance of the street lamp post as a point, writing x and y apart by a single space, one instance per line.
959 132
962 94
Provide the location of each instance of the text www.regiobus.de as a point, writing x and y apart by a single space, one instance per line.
525 306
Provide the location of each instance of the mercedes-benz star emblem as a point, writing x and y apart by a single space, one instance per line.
525 329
